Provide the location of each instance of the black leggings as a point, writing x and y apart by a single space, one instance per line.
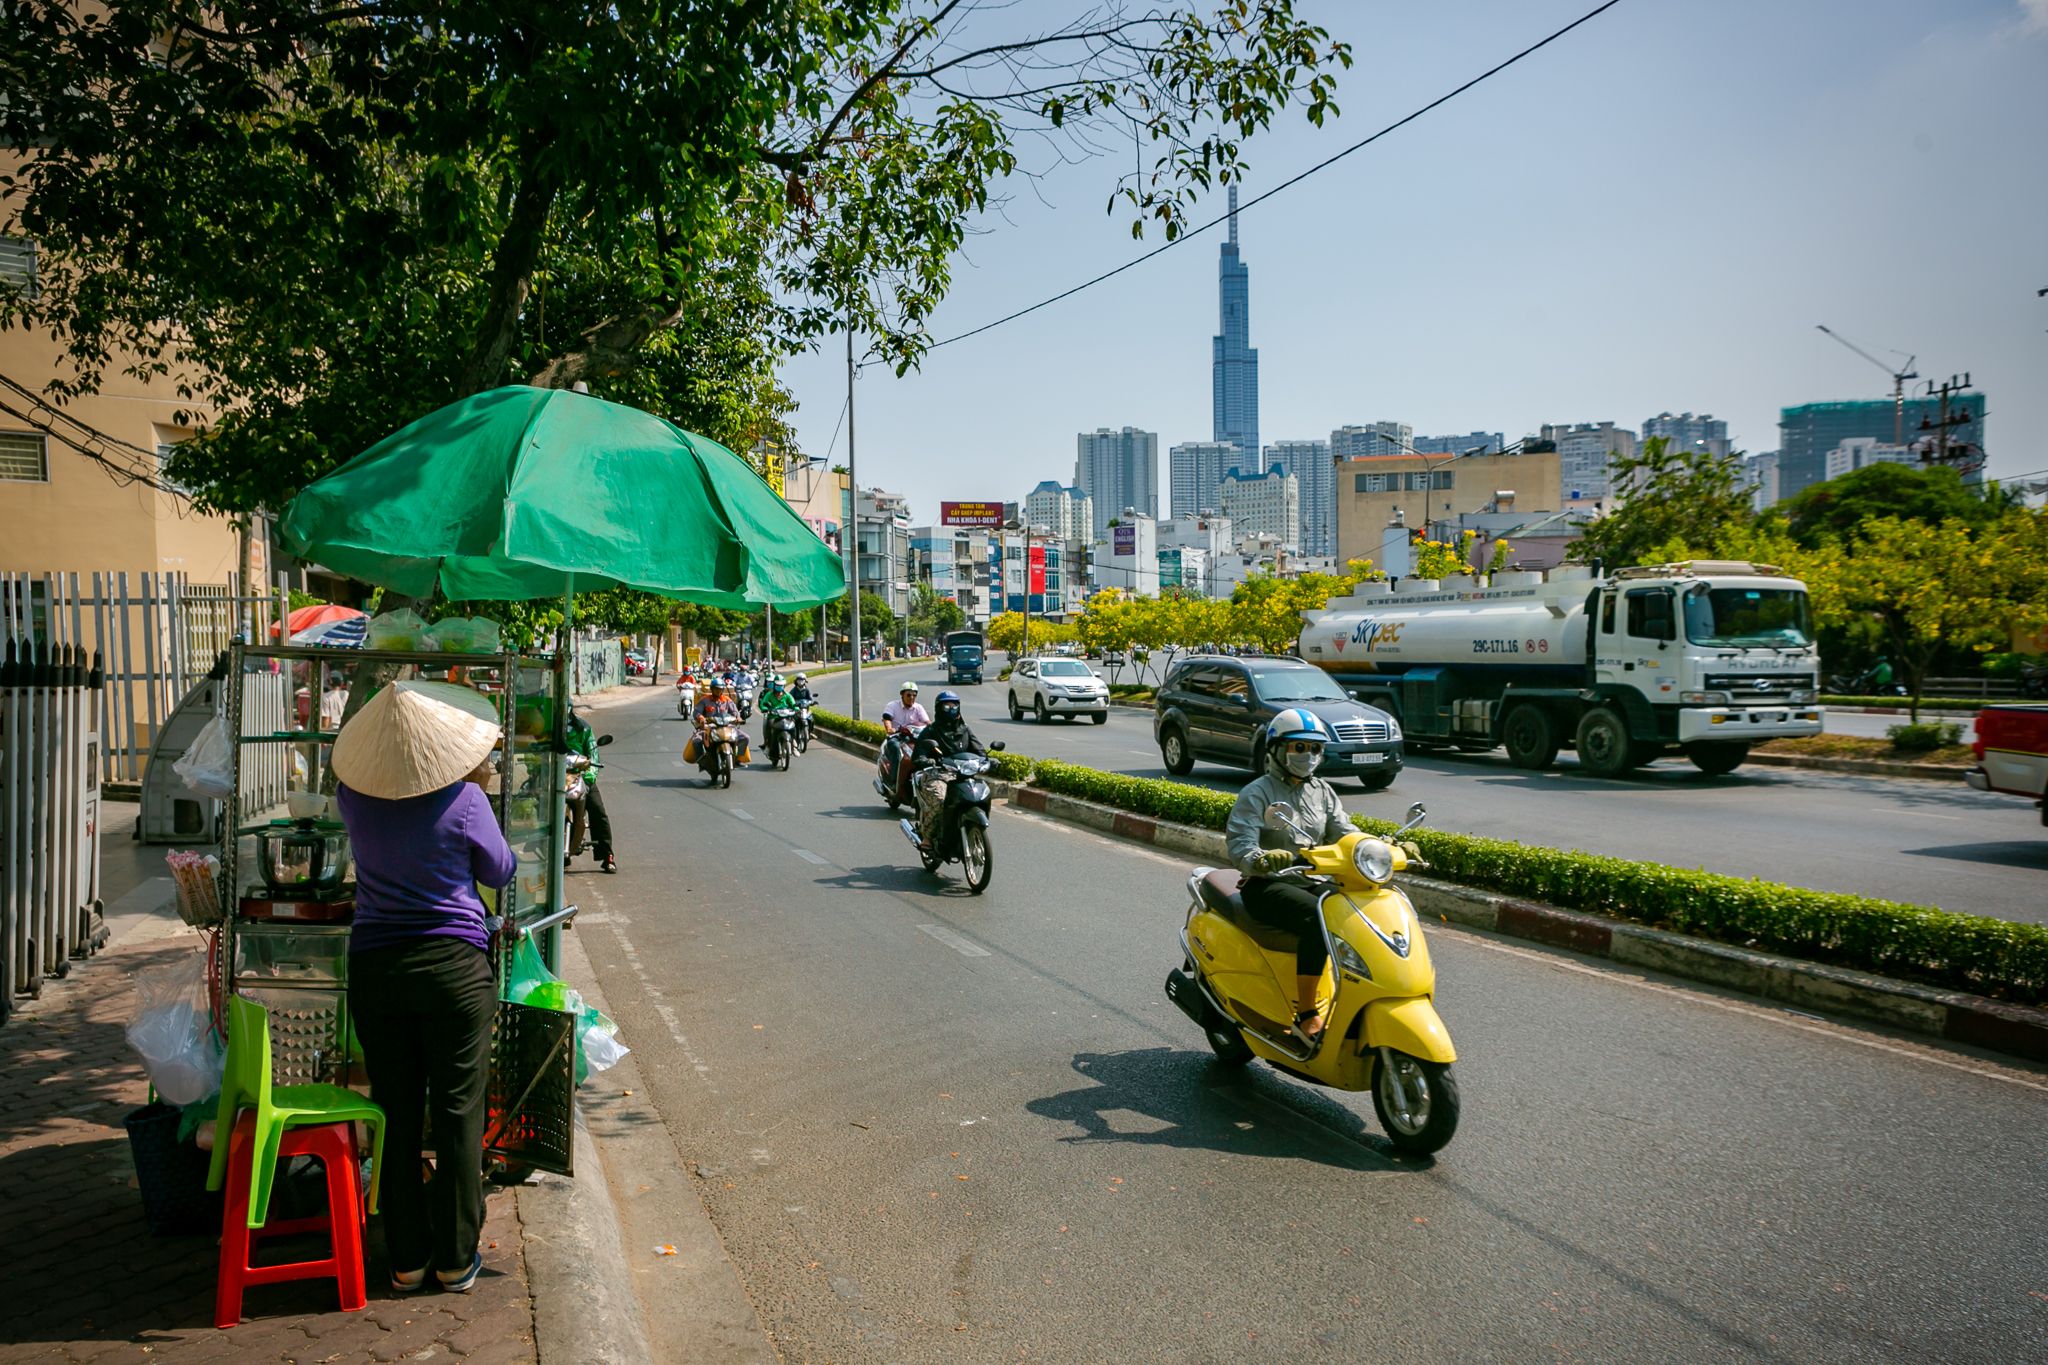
1286 904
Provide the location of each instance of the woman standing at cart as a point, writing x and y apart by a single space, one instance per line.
421 992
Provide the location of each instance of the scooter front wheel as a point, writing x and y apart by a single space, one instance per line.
1417 1101
975 858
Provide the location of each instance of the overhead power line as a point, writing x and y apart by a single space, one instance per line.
1323 165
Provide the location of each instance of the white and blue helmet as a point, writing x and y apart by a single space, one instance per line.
1295 723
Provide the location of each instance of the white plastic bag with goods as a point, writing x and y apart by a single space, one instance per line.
207 766
173 1031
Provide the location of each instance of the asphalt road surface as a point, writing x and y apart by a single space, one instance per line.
937 1127
1926 842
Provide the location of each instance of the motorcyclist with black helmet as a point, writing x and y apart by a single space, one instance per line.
948 734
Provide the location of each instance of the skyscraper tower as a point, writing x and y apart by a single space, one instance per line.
1235 365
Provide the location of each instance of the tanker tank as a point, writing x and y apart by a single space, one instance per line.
1520 628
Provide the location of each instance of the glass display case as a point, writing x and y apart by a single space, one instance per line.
289 890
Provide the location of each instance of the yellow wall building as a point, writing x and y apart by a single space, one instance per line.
1432 489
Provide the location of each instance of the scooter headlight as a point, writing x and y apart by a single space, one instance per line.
1374 859
1349 960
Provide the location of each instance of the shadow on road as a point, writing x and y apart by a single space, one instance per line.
2030 853
1203 1106
860 812
903 879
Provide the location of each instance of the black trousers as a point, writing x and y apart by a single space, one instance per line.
590 807
1286 904
422 1011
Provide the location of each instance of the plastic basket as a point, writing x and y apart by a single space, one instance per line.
172 1175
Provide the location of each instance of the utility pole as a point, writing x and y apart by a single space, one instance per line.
1964 460
853 526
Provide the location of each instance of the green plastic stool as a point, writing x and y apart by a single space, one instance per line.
246 1084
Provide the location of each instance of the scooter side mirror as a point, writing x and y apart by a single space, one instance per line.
998 746
1279 815
603 740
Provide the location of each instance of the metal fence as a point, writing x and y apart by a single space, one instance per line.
51 700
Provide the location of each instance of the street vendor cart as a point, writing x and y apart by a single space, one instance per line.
287 889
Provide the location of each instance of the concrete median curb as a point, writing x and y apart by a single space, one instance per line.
2017 1030
1868 767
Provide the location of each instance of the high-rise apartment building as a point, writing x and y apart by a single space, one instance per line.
1234 365
1118 469
1687 432
1374 438
1860 451
1586 453
1760 476
1806 434
1195 471
1267 504
1471 443
1310 462
1069 512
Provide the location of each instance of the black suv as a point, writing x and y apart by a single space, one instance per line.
1217 708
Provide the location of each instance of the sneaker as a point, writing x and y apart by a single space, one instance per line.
408 1282
462 1281
611 864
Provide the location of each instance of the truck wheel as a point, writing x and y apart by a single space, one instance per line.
1378 782
1716 758
1530 737
1173 748
1605 749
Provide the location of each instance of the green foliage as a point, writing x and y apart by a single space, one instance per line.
326 221
1672 494
1839 508
1966 952
1012 767
1939 703
846 725
1174 801
932 613
1924 737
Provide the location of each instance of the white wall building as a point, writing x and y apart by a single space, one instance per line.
1309 462
1858 451
1760 476
1118 469
1267 504
1374 438
1126 556
1704 432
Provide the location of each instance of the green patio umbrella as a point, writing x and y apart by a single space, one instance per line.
522 493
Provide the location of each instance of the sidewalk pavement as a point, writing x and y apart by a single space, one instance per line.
83 1278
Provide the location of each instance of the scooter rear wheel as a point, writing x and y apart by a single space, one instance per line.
1417 1101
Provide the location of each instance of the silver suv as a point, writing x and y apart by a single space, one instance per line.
1058 687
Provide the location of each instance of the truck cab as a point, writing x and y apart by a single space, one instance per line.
1709 657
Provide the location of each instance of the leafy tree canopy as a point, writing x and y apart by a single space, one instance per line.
1840 507
1673 493
327 218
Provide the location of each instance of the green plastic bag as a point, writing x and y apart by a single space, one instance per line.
531 983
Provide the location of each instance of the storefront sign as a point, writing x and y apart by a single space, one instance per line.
1123 540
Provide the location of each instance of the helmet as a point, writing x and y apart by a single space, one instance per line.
949 705
909 685
774 682
1295 723
803 677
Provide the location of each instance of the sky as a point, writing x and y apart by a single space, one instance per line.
1651 214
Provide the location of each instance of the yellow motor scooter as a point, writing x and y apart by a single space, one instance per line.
1380 1028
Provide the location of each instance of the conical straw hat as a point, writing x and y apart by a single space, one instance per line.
414 738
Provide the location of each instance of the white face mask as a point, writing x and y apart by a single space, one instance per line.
1303 765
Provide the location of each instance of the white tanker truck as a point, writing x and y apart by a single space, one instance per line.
1703 657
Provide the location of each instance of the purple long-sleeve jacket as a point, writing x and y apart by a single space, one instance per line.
418 864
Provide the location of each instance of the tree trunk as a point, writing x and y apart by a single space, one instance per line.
512 269
609 347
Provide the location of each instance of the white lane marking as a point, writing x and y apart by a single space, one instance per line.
667 1012
739 814
964 947
1768 1013
811 857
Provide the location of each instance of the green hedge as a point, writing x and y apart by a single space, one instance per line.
847 725
1175 801
1915 942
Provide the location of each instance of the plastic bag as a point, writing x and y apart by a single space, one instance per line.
401 629
597 1036
466 635
207 765
173 1030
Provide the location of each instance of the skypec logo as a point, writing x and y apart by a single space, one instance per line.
1374 635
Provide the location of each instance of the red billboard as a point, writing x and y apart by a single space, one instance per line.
970 514
1036 562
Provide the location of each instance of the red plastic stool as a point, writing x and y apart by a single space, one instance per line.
334 1145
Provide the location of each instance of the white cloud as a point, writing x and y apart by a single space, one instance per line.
2034 15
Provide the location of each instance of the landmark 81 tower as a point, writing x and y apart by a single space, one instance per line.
1235 367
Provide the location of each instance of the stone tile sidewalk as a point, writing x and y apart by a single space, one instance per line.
82 1279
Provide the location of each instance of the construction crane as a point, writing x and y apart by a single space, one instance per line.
1899 378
